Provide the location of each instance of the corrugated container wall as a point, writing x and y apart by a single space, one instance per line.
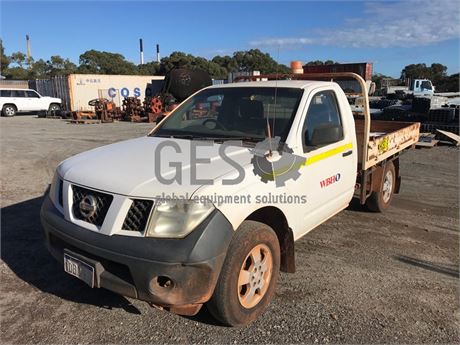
14 84
85 87
55 87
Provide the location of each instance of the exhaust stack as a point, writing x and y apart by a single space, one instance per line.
158 53
141 47
29 53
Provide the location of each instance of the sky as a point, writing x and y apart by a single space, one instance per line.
390 34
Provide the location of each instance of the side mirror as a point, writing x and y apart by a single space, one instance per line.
324 134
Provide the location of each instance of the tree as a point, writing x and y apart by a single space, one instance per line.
438 72
4 60
416 71
40 69
182 60
255 60
56 65
98 62
17 73
149 68
320 63
226 62
18 58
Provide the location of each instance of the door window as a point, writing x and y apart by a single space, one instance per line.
5 93
32 94
323 123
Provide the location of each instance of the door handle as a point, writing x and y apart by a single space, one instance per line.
347 153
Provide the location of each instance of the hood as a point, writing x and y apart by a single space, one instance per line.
139 167
53 99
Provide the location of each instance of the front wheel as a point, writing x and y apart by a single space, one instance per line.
9 110
53 108
380 201
248 277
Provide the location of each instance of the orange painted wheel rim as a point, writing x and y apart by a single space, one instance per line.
255 276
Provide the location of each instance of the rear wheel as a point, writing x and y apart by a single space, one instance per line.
380 201
9 110
248 278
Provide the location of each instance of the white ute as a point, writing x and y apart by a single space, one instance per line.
206 208
14 101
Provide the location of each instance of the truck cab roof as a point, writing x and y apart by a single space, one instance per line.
298 84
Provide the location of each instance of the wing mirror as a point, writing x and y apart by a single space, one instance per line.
324 134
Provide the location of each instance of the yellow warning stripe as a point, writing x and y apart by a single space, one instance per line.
327 154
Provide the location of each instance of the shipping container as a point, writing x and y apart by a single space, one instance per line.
14 84
364 69
85 87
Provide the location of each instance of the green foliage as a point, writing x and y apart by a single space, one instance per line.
97 62
448 84
4 60
435 72
320 63
255 60
18 58
182 60
149 68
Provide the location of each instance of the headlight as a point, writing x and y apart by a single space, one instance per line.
177 218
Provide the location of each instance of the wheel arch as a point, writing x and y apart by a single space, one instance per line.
14 105
275 218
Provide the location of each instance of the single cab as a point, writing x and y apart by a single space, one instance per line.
14 101
206 208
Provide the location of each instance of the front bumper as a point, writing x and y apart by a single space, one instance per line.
138 267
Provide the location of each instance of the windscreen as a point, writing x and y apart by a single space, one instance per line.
234 112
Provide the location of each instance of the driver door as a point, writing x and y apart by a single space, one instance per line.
329 175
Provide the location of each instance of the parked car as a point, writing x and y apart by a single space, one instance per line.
14 101
111 218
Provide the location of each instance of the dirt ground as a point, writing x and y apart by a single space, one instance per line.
361 277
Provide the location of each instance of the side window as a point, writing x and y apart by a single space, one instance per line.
323 123
32 94
5 93
18 93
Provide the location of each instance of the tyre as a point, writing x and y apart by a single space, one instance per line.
248 277
54 108
380 201
9 110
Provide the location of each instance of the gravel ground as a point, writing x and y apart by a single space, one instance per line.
361 277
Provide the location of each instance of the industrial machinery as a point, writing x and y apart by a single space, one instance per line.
179 84
104 110
133 110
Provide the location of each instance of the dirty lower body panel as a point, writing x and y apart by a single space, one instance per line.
175 274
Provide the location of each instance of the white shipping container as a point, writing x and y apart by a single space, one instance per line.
85 87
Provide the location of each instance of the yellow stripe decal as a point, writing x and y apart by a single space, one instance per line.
327 154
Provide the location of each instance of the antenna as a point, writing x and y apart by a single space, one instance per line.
269 131
29 54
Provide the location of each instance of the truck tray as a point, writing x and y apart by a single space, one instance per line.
386 138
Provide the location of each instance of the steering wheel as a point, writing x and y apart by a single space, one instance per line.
214 124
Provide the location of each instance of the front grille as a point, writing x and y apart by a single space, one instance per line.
138 215
102 202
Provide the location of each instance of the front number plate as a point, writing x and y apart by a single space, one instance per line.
79 269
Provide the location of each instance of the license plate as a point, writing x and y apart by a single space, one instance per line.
79 269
